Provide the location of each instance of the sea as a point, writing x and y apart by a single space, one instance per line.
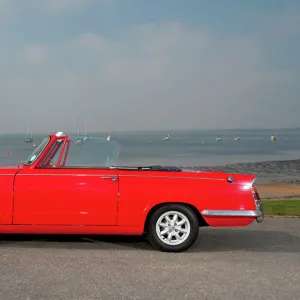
184 148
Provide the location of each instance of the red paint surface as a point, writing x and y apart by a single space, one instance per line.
65 197
76 201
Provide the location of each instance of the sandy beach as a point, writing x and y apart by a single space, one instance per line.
279 190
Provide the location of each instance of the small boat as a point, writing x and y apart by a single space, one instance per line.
85 136
79 140
108 137
237 138
167 137
218 139
273 138
28 139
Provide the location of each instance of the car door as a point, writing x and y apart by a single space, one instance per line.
65 197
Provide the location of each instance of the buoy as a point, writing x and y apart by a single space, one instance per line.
8 153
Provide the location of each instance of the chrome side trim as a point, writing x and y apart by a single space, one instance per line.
73 175
232 213
173 177
141 176
7 174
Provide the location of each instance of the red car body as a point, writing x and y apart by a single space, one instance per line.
38 197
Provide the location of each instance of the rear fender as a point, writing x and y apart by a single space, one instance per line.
246 206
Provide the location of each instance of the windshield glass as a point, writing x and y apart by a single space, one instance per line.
37 152
90 152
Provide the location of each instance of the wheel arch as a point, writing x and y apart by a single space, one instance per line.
202 222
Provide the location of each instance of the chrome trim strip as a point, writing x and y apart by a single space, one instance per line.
173 177
74 175
232 213
7 174
141 176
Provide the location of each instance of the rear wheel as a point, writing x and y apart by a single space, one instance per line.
173 228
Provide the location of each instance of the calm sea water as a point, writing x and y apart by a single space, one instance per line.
185 148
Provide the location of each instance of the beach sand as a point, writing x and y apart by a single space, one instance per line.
279 190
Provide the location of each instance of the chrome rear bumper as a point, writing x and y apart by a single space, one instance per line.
259 207
258 214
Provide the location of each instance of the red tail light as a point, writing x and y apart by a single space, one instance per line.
255 193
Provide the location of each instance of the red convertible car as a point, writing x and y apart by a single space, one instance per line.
65 187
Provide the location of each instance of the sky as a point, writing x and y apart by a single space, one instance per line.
149 65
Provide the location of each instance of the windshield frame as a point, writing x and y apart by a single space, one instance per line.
39 149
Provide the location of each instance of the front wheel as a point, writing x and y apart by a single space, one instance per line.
173 228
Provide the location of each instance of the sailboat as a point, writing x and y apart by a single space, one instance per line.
218 139
28 139
108 137
79 141
85 136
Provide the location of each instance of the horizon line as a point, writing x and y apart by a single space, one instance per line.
272 129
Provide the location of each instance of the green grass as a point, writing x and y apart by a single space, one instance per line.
281 207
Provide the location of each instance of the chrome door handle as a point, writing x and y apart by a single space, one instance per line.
110 177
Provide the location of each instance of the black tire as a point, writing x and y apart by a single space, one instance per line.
190 238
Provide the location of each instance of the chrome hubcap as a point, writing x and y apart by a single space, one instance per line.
173 228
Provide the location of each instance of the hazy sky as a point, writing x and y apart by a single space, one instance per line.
159 64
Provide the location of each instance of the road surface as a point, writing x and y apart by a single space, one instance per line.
261 261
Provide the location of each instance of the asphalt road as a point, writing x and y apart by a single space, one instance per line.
261 261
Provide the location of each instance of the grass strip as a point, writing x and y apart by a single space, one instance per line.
281 207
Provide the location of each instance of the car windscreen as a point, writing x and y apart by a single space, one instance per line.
92 152
37 152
